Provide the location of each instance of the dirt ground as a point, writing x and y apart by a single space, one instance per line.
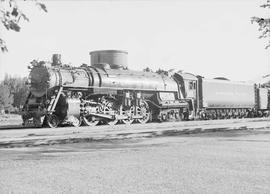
9 120
218 162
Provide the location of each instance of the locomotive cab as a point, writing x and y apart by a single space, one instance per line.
188 90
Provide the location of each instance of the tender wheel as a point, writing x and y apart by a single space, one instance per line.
143 111
90 121
164 117
52 121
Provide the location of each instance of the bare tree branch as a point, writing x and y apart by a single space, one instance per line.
3 46
10 16
264 24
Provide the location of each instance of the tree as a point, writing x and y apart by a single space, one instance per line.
264 24
161 71
10 15
18 89
6 98
147 69
21 93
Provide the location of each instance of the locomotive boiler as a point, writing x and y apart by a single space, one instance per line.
104 92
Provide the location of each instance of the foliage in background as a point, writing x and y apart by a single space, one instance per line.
147 69
264 24
13 93
18 88
10 15
162 71
6 98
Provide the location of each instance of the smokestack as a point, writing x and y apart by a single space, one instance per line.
56 59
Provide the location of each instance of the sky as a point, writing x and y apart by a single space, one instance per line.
212 38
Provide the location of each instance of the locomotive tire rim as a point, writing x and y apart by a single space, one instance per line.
77 122
144 120
128 121
90 121
52 121
112 122
144 109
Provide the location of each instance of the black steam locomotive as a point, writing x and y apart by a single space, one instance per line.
107 92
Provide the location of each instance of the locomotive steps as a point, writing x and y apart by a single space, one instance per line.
47 136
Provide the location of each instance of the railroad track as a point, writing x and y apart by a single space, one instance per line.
135 125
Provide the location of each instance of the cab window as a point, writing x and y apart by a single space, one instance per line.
192 85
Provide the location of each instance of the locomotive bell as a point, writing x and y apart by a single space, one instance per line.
117 59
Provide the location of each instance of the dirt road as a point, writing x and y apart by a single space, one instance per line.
220 162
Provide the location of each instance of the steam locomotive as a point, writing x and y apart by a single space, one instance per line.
108 92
